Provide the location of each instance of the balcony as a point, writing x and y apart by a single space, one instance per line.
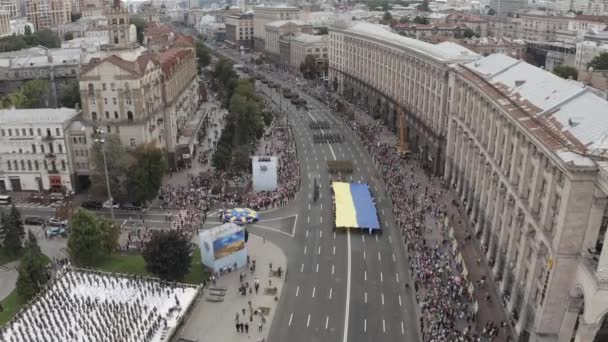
48 137
50 155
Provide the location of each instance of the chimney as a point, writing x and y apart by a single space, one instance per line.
519 83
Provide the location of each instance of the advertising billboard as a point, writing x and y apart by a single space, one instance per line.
228 244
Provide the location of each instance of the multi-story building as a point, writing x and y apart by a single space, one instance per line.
401 80
34 154
526 153
180 96
506 7
11 6
264 15
276 29
554 28
239 31
485 46
586 51
303 45
59 66
431 33
48 13
18 26
5 22
477 23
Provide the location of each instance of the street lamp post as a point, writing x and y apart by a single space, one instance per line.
105 167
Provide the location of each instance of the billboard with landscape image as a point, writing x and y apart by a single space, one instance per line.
228 244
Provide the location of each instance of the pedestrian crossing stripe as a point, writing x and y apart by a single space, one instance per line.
31 205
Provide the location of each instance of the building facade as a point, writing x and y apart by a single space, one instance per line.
484 46
303 45
530 169
239 31
399 80
431 33
5 22
48 13
264 15
276 29
507 7
34 149
586 51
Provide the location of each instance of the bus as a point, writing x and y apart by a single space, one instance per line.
5 200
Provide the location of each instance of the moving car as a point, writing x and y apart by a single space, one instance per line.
57 222
34 221
92 205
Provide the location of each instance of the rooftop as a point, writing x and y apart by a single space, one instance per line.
41 115
280 23
565 115
309 38
385 35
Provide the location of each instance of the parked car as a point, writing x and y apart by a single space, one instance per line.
131 206
56 197
34 221
92 205
57 222
107 205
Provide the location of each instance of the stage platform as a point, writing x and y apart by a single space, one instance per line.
354 206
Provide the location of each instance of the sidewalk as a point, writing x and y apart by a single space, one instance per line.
216 321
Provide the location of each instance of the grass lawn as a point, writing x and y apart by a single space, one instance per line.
13 302
135 264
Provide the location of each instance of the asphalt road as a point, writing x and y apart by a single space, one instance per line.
347 286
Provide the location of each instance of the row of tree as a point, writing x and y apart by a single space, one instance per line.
203 55
45 37
36 94
134 176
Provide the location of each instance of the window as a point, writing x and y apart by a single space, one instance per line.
16 132
91 89
94 116
107 114
33 148
103 86
42 148
60 148
132 142
10 132
84 140
36 166
22 164
29 165
46 166
114 100
130 116
8 165
105 100
23 132
74 140
63 165
108 129
112 86
2 132
115 115
92 100
57 132
76 153
129 101
39 132
31 131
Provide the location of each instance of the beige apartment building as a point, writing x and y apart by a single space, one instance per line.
48 13
5 22
526 153
303 45
239 30
400 80
264 15
276 29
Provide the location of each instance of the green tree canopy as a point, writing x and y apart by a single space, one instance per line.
308 68
27 30
203 54
92 239
323 30
70 94
600 62
566 71
146 173
68 36
32 273
420 21
12 232
117 161
424 6
491 11
48 38
33 94
168 255
468 33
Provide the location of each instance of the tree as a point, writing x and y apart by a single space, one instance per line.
92 238
13 232
404 20
12 43
323 30
118 165
33 94
387 18
146 173
600 62
203 55
27 30
168 255
32 270
468 33
420 20
309 67
140 24
335 83
70 94
240 160
424 6
221 157
566 71
68 36
47 38
491 11
76 17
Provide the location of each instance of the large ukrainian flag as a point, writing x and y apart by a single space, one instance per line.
354 206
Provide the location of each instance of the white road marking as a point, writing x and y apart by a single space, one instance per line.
383 326
321 219
363 238
364 325
381 279
326 322
330 292
394 257
297 290
308 219
308 321
317 268
306 232
334 250
399 300
382 212
321 206
308 204
365 299
389 239
397 276
290 318
313 291
376 237
319 250
348 268
382 298
332 269
363 255
320 233
302 269
402 329
365 275
304 249
379 257
334 235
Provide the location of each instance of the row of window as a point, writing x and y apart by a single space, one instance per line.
24 132
42 149
116 116
104 87
34 165
79 140
81 153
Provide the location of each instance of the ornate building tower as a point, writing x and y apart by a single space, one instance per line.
118 27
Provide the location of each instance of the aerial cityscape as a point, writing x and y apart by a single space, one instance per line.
328 171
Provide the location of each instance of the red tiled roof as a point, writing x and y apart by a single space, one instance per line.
439 26
136 67
169 59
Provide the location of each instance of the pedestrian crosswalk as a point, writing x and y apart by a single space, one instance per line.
26 204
